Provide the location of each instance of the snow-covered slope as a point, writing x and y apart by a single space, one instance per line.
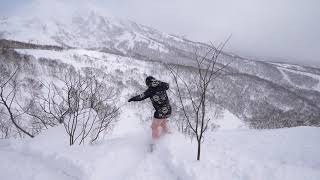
252 90
86 31
246 96
118 68
286 154
252 93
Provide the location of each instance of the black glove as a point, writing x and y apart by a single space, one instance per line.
131 99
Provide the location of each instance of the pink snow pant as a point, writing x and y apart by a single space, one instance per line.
159 126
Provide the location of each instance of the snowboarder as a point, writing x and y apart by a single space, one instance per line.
157 93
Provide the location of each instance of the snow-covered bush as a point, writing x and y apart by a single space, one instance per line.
82 103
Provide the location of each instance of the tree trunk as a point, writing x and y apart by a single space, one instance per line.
199 149
71 140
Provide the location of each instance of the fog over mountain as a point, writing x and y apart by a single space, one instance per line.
284 31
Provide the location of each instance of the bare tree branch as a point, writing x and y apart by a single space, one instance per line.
197 90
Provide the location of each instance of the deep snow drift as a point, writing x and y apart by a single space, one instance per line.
283 154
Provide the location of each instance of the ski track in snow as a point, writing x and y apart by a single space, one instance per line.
133 161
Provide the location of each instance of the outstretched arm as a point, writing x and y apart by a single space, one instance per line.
140 97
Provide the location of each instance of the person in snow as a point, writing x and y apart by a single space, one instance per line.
157 93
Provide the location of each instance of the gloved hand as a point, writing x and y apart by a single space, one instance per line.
131 99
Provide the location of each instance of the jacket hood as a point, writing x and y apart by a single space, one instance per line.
150 80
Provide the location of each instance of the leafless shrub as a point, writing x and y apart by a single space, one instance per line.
193 92
8 93
82 103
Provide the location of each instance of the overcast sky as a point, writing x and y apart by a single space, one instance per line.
271 29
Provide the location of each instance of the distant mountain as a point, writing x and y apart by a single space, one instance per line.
263 94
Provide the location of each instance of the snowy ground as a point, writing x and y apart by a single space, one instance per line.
233 152
284 154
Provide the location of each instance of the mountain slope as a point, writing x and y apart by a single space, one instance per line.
255 91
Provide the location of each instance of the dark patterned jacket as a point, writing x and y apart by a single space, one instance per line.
157 93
